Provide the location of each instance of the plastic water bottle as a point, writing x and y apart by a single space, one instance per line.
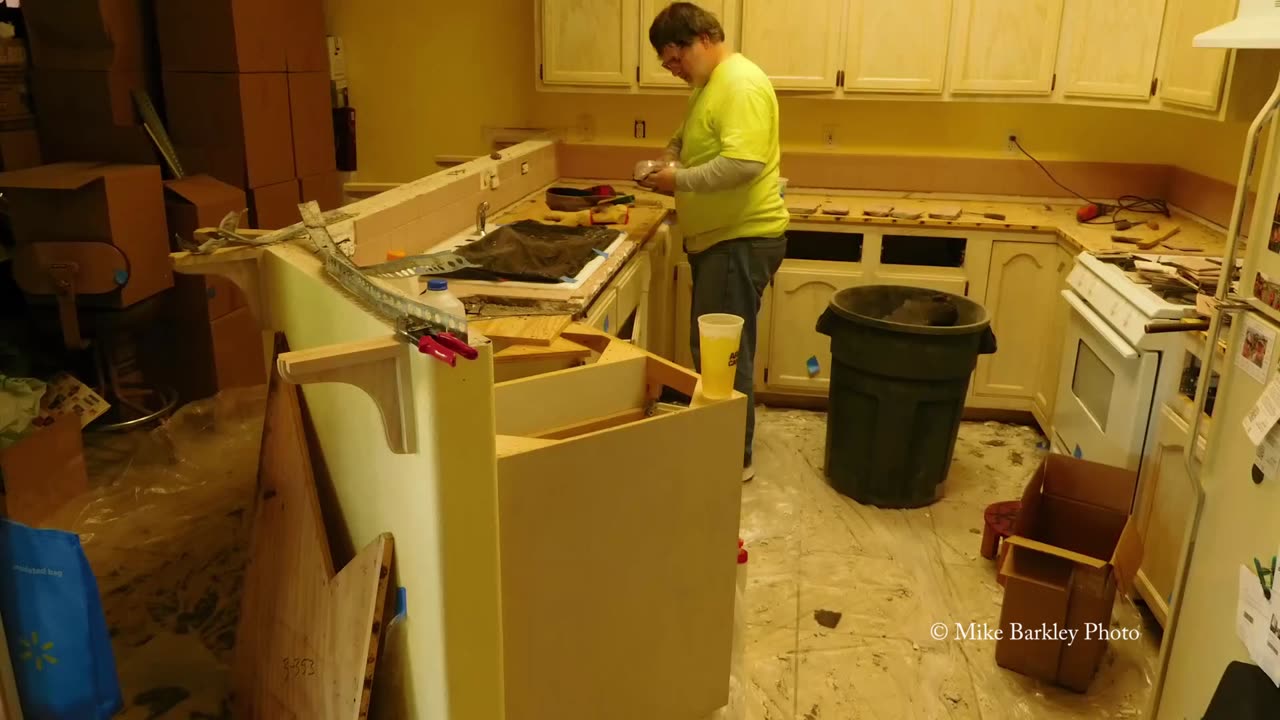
439 297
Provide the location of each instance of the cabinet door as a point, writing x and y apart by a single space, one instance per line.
681 352
1113 58
1164 506
800 295
603 315
651 71
1191 75
588 42
1021 288
956 285
898 46
1050 364
1005 46
796 43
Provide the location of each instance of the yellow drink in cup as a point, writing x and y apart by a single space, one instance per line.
719 336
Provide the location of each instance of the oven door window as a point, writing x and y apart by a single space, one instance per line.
1092 384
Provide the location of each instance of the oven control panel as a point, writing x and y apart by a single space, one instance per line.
1114 309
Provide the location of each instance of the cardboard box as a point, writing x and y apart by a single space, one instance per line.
88 203
199 201
312 119
43 470
88 97
235 127
19 149
179 352
15 100
1074 544
325 189
275 206
62 142
227 36
13 53
237 350
89 34
305 46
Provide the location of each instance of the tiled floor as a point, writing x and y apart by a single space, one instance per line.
892 574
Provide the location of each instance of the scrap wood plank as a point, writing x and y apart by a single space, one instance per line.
526 330
307 638
561 347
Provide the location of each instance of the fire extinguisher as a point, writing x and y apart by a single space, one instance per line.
344 133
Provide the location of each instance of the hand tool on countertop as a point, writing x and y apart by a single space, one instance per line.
1146 243
987 215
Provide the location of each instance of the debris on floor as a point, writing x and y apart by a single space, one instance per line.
827 618
896 577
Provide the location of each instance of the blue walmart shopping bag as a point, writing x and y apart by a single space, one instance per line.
55 626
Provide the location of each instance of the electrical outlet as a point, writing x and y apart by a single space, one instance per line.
638 130
829 135
524 168
1009 145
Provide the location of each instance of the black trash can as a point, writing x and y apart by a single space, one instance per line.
902 359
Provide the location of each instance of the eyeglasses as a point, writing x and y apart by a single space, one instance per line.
672 64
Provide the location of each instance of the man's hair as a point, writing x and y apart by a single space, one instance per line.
681 24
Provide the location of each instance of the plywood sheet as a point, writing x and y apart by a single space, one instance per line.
561 347
307 638
525 329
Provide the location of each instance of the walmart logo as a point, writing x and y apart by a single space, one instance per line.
37 651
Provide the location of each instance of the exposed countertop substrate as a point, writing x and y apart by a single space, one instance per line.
1024 216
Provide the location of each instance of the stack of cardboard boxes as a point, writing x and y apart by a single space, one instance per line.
247 93
88 57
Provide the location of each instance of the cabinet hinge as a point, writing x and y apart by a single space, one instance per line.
766 375
1155 83
839 78
637 73
1053 84
539 71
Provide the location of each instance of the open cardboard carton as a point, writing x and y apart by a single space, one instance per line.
1074 543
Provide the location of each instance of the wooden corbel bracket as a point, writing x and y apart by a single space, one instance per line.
237 264
379 367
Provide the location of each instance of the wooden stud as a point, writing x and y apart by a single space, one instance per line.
379 367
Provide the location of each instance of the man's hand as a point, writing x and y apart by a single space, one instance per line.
664 180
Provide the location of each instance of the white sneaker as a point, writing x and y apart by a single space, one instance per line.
748 473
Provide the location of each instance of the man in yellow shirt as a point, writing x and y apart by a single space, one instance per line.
728 201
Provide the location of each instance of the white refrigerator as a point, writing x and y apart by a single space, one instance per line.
1237 488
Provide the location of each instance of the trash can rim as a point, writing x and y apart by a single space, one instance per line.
970 329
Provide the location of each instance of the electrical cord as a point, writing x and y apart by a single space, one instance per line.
1110 213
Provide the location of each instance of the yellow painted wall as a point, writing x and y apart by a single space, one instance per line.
427 76
969 129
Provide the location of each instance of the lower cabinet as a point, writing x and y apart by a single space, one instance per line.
1022 287
802 290
1046 392
1165 504
603 315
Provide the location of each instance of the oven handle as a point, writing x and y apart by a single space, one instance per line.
1100 326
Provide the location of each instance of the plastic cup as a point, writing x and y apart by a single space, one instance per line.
719 336
782 186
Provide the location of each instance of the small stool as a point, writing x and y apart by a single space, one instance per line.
997 524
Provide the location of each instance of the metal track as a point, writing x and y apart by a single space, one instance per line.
393 306
416 265
155 128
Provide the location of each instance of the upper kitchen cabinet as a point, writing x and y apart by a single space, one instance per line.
651 71
1190 75
1005 46
897 47
796 43
1109 48
589 42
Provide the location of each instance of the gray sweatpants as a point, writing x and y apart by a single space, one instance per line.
730 277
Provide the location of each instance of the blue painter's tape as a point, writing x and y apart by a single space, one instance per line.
122 277
566 279
1078 454
601 253
812 365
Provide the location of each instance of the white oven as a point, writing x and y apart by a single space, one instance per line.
1105 390
1113 372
